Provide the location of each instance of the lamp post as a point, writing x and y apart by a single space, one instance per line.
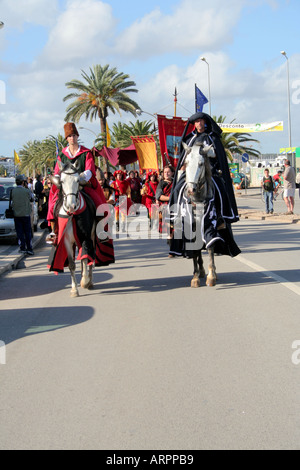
140 111
289 104
209 97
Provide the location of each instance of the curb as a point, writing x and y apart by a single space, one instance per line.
10 261
275 217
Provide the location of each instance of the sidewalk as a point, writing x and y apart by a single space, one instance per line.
9 261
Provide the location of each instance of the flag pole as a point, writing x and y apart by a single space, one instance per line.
195 98
175 102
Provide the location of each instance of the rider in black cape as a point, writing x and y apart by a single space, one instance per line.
224 204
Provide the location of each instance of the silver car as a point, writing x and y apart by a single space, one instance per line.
7 226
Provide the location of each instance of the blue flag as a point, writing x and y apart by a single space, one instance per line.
200 100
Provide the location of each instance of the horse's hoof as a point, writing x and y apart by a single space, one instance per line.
210 282
74 294
88 285
195 282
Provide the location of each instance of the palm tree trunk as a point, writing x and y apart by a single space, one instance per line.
103 132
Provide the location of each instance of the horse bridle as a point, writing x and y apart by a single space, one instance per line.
71 194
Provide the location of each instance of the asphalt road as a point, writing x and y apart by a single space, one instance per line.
145 362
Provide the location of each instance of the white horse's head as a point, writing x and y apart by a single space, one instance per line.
198 174
69 181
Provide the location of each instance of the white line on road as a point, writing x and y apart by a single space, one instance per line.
289 285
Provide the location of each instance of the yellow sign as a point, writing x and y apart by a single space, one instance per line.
248 128
287 150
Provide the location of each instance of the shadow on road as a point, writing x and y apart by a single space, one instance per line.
19 323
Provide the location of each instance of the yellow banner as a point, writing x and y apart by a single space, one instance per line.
248 128
146 151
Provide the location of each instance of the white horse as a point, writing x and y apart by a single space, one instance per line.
69 182
198 189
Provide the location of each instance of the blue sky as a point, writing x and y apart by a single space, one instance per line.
46 43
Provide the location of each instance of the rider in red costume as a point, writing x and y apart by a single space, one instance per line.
83 158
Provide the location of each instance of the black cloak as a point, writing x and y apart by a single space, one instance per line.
224 203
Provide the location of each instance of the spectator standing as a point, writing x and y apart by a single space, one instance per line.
268 186
289 184
21 199
38 191
135 187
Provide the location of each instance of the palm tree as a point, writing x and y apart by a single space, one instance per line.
121 133
236 142
104 89
30 156
36 156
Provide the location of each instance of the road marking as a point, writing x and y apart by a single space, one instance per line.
289 285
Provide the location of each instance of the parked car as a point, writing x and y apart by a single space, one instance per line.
7 226
239 181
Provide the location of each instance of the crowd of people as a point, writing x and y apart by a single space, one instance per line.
153 189
286 179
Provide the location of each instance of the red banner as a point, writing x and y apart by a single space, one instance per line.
170 131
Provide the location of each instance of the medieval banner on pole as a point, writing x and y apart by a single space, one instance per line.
170 131
145 147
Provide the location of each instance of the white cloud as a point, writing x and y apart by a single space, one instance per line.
193 26
17 12
80 33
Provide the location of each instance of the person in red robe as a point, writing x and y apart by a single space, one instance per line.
121 185
82 156
84 160
149 193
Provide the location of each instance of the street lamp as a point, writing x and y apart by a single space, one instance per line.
140 111
209 97
288 92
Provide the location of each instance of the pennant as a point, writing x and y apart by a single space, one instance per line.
170 131
146 152
200 100
16 158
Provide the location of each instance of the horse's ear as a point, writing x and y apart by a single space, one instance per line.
209 151
186 148
55 180
60 165
77 165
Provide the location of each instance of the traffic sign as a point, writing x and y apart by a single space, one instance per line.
245 157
